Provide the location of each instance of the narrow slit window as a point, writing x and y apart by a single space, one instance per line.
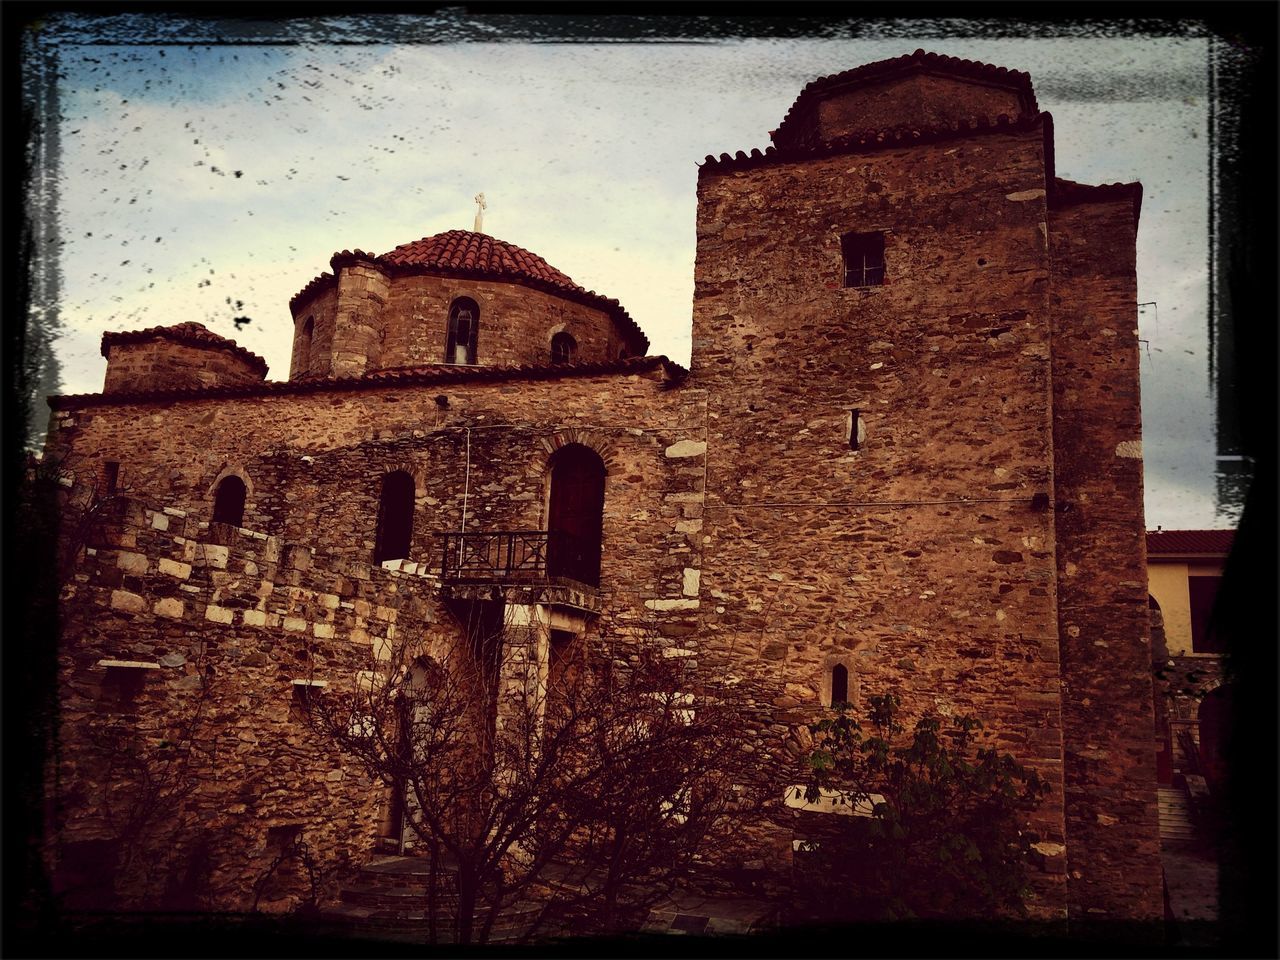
839 684
863 259
854 422
111 475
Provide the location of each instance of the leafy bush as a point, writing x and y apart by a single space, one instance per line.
938 829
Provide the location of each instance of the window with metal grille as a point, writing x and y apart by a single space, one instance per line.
863 259
564 349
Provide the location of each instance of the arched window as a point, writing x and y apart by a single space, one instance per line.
575 516
228 502
464 322
564 349
839 684
395 517
304 345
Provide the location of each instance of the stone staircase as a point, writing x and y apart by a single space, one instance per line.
1176 825
387 900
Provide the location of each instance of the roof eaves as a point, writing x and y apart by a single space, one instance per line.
1068 193
396 376
870 141
202 338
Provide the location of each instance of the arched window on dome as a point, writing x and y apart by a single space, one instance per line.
564 349
464 323
228 502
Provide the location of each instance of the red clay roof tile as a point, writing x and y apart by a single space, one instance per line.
1190 541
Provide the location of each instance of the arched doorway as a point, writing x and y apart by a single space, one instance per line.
575 514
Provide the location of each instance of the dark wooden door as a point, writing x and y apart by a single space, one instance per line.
575 518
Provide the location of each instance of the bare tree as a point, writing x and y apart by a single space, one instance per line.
568 778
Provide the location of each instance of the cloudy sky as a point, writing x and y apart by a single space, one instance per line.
210 182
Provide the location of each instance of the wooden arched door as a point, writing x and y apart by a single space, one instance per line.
575 514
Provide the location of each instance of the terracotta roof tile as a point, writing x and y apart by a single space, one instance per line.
1190 541
196 334
479 256
435 373
917 61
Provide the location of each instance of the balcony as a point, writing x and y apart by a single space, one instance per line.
527 565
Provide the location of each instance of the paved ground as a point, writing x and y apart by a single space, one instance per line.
1191 874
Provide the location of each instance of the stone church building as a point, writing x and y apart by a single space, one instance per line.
906 457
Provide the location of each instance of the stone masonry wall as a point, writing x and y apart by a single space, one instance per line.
359 324
315 464
917 560
163 364
920 100
1112 830
516 323
249 614
322 309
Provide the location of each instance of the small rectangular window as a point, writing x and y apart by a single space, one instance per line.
863 259
121 688
306 697
854 415
111 475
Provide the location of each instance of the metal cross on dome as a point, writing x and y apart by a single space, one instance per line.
480 208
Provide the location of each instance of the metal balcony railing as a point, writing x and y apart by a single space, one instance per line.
517 556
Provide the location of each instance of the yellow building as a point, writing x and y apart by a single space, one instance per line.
1183 570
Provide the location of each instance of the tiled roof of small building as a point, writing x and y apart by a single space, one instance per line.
425 374
919 60
1190 541
189 332
482 257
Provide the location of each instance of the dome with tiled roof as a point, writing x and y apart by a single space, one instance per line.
479 253
374 311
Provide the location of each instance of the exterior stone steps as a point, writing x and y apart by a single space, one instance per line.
1175 816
